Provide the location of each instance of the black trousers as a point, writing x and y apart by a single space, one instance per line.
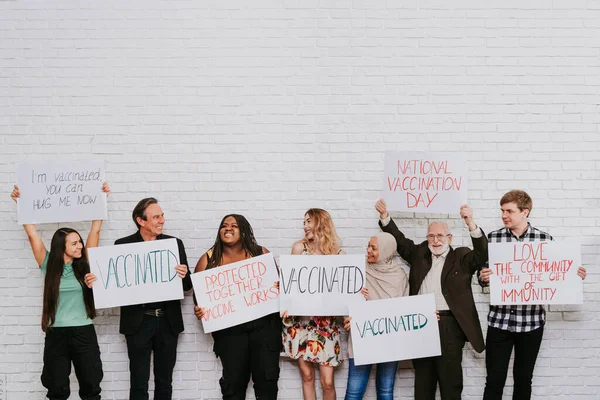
445 369
499 346
155 335
79 345
250 349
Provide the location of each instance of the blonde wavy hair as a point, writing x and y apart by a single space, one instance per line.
326 238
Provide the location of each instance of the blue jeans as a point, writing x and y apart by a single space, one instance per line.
358 377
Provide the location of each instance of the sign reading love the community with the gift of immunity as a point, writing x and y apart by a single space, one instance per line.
543 272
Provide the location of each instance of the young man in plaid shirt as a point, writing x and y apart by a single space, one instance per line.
518 326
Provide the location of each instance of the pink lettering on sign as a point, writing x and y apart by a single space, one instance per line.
244 281
530 275
422 180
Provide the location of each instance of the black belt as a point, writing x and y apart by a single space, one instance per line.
155 313
445 313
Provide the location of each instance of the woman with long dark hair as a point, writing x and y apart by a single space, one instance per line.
315 340
68 310
251 348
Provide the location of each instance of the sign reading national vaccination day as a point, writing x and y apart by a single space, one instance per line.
424 182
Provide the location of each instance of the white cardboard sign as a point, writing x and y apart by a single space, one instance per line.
135 273
60 191
401 328
540 272
321 285
238 292
424 182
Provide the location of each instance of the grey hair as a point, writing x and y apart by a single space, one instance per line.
444 224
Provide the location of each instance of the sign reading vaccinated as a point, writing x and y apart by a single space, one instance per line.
401 328
238 292
61 191
321 285
135 273
424 182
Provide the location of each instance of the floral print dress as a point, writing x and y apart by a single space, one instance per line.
314 339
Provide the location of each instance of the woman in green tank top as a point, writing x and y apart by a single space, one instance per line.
68 310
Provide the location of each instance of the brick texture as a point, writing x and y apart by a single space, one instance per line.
267 108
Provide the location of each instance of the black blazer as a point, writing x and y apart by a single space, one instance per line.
132 316
460 265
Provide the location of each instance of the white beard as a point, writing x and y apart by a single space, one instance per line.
439 252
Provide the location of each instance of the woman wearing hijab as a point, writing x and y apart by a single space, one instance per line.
385 280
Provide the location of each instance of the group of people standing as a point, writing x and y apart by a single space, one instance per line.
252 349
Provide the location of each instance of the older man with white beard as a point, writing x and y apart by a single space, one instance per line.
437 268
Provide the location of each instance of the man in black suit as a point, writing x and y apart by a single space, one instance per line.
438 269
153 327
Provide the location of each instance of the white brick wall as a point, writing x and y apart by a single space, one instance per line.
267 108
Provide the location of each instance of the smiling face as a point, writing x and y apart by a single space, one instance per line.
308 227
152 226
512 217
73 247
438 238
373 251
229 232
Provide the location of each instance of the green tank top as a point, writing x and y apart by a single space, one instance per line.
70 310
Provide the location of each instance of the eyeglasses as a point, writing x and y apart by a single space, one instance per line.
439 236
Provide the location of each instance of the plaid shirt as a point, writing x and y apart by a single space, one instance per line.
523 318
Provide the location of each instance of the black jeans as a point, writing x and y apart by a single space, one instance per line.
251 348
499 345
445 369
156 336
77 344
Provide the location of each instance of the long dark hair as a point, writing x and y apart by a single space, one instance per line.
249 244
54 269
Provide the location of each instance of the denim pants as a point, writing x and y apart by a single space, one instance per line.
358 377
76 344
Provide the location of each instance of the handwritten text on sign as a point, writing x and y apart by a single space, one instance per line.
321 285
135 273
535 273
424 182
61 191
238 292
401 328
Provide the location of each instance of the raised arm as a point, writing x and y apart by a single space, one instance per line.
94 236
406 247
477 258
37 246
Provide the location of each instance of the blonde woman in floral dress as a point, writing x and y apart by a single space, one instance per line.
315 340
